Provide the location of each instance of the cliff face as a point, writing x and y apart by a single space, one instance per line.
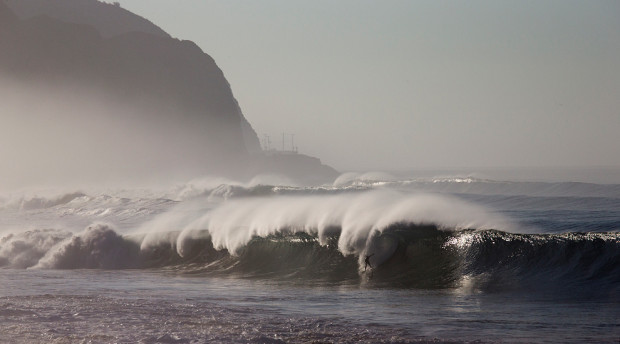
86 44
6 15
89 42
168 86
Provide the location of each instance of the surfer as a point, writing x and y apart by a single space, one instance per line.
367 262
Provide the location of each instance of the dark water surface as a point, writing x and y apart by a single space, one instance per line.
142 306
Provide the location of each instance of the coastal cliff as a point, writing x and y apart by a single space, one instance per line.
165 83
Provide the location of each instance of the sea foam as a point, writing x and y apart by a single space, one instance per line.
355 217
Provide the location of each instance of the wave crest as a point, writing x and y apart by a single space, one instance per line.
97 247
25 249
403 256
357 216
35 202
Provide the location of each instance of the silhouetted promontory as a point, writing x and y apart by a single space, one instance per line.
125 59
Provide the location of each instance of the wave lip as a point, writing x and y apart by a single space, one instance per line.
357 216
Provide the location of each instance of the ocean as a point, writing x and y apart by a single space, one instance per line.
454 259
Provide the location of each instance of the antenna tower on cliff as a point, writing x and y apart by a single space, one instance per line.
266 143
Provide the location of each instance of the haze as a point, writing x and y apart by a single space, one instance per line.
74 136
418 84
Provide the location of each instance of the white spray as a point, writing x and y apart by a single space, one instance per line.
232 224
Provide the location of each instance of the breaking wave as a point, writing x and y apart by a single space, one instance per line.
32 203
323 234
403 256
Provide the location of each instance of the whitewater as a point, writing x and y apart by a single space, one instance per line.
452 259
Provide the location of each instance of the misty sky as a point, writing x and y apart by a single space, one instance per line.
418 84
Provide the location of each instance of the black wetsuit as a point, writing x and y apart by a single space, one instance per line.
367 262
